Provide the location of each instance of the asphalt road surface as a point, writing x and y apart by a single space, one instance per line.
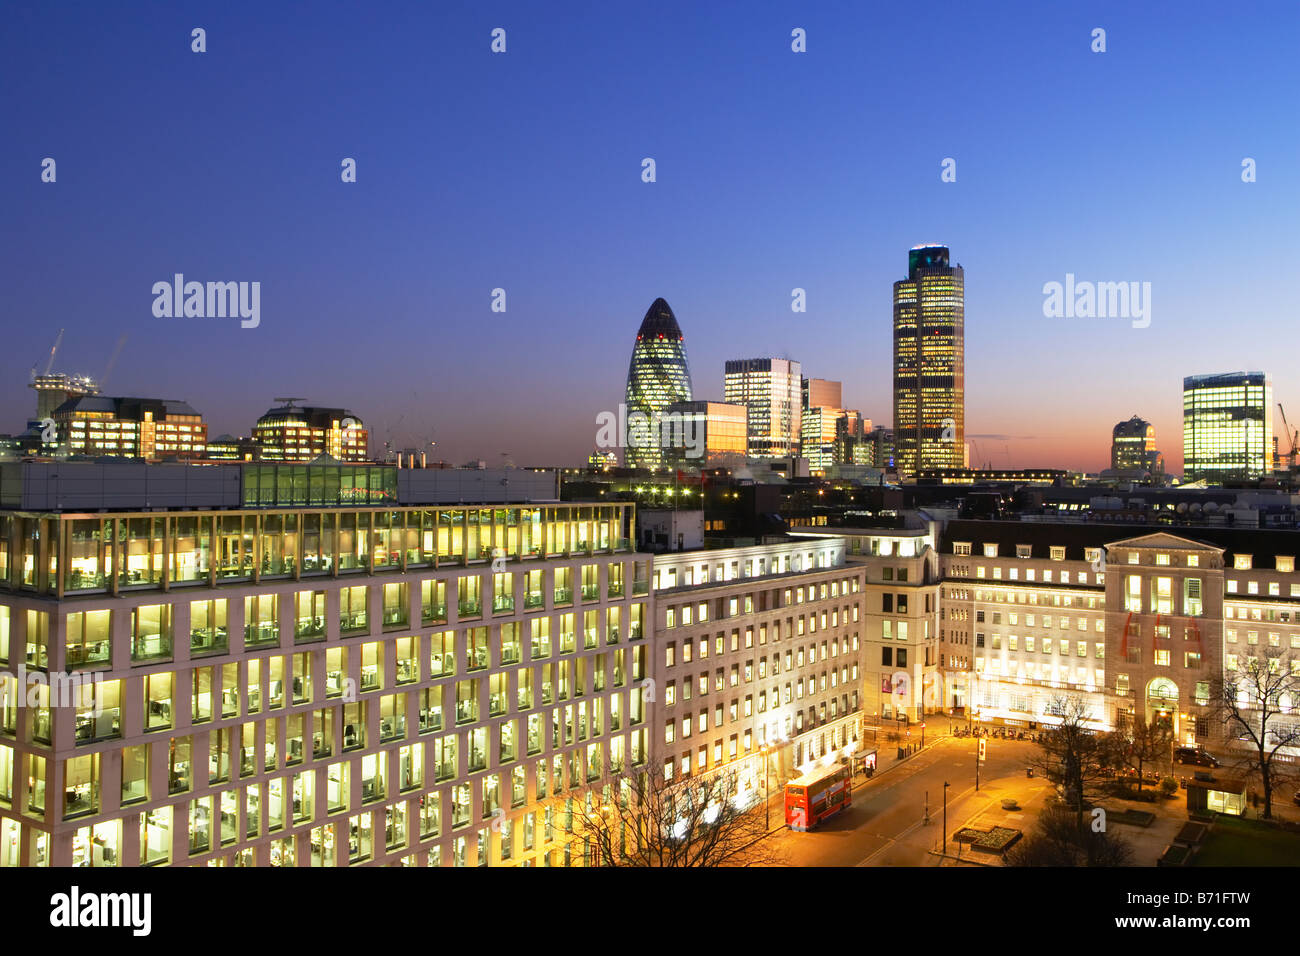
885 827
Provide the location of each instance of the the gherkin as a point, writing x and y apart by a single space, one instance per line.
656 377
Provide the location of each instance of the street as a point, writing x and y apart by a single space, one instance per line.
885 827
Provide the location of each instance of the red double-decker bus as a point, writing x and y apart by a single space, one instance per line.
817 795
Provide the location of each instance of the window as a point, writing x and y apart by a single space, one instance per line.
1056 553
151 632
87 637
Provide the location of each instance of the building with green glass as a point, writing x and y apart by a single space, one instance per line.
657 376
1227 427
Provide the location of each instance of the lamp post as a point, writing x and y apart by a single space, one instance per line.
875 725
923 735
767 797
945 817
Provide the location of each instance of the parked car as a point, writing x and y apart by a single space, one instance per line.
1196 756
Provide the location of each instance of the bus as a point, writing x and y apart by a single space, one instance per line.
817 795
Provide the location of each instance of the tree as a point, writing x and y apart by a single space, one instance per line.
1249 701
643 819
1138 743
1073 755
1059 840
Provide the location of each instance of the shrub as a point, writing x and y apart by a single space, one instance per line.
1168 786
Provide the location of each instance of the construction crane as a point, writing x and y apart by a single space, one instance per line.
112 360
58 340
1293 436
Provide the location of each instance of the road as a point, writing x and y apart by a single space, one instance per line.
885 827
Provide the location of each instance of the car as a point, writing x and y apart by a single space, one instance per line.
1196 756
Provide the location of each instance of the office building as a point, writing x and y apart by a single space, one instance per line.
822 393
297 433
772 390
704 434
147 428
1133 448
310 665
757 661
929 363
54 389
1227 427
657 376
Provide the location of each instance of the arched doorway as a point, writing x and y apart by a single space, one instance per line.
1162 703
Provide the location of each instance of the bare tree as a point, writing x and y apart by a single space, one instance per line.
642 819
1249 701
1058 840
1139 742
1073 755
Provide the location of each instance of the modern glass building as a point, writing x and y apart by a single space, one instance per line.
1227 426
929 363
705 434
380 682
148 428
772 389
301 433
657 376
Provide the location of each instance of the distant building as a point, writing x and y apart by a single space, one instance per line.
300 433
929 362
772 390
602 460
54 389
1227 426
230 448
822 393
704 434
147 428
1133 447
657 376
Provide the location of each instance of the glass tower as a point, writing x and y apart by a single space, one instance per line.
929 362
1227 428
772 390
656 377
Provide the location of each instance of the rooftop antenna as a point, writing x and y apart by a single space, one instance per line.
288 401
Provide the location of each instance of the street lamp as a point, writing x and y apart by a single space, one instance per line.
875 725
945 817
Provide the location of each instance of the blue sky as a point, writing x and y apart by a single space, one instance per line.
775 170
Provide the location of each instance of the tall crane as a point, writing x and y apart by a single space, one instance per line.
58 340
1292 436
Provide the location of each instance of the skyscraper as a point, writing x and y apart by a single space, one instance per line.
929 362
657 376
1133 447
772 389
1227 426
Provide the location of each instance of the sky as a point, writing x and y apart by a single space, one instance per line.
522 171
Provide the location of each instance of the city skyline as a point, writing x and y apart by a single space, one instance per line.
1033 202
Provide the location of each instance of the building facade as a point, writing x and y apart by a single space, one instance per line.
392 684
1133 447
757 660
1227 427
929 363
772 390
900 613
302 433
152 429
704 434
